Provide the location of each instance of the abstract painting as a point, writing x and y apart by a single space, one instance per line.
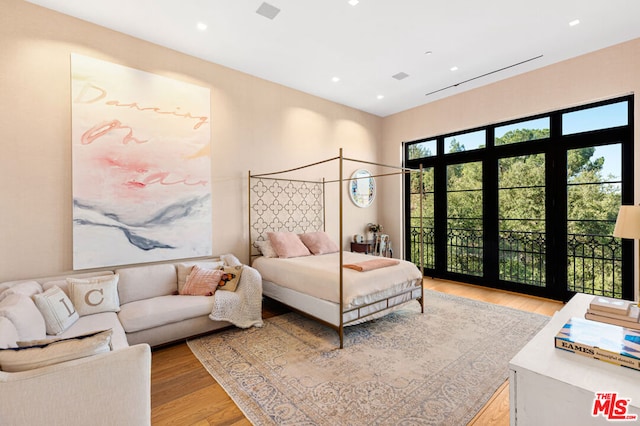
141 166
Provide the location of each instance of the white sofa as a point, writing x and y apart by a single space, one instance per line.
113 387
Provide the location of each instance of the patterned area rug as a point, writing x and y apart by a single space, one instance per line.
406 368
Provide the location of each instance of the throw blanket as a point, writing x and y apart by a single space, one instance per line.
243 307
369 265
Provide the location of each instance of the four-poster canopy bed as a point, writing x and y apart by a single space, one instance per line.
320 282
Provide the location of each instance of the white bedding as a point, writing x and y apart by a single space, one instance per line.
318 276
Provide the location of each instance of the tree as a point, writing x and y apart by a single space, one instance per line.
592 206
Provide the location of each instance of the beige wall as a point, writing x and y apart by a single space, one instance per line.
256 125
607 73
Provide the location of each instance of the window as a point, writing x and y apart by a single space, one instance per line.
465 141
464 218
423 149
594 193
427 215
522 131
596 118
528 205
522 219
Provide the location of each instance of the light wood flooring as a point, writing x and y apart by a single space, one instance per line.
183 393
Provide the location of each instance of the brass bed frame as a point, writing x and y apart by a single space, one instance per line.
298 205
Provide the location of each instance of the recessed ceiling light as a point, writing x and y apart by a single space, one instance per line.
574 22
353 2
428 52
454 68
380 96
268 11
202 26
400 76
335 79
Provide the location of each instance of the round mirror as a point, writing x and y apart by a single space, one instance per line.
362 188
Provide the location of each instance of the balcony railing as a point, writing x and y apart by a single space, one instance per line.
594 262
522 257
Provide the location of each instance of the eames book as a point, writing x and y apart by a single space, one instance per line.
606 342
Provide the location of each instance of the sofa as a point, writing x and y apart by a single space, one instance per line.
89 361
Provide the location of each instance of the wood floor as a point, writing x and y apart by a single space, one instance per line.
183 393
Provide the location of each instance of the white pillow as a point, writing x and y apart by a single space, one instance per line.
25 316
95 294
8 334
57 310
266 248
28 288
61 350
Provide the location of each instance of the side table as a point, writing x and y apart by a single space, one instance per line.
549 386
367 247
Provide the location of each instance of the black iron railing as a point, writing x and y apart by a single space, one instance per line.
522 257
594 262
465 251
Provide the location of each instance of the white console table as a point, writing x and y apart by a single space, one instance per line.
549 386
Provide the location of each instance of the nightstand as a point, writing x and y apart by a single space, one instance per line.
366 247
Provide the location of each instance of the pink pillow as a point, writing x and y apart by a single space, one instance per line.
202 282
287 244
319 242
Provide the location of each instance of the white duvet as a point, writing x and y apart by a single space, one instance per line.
318 276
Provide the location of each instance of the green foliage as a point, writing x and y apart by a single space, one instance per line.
592 205
418 150
522 135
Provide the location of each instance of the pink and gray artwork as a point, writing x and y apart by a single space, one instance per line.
141 166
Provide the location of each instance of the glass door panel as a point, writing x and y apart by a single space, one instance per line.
521 220
464 219
594 195
428 248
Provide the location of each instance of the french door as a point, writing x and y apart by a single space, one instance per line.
528 205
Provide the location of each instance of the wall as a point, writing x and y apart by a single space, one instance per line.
256 125
604 74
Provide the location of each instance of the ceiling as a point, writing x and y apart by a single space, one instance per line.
308 43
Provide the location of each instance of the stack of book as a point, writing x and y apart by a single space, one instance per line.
605 342
614 311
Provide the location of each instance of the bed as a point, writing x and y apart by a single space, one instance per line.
321 283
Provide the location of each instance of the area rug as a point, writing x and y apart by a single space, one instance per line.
406 368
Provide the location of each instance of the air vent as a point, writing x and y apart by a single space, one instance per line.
268 11
400 76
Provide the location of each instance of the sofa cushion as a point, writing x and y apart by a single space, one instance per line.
184 269
61 284
94 295
25 316
8 334
28 288
145 282
157 311
61 281
95 322
61 350
57 310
